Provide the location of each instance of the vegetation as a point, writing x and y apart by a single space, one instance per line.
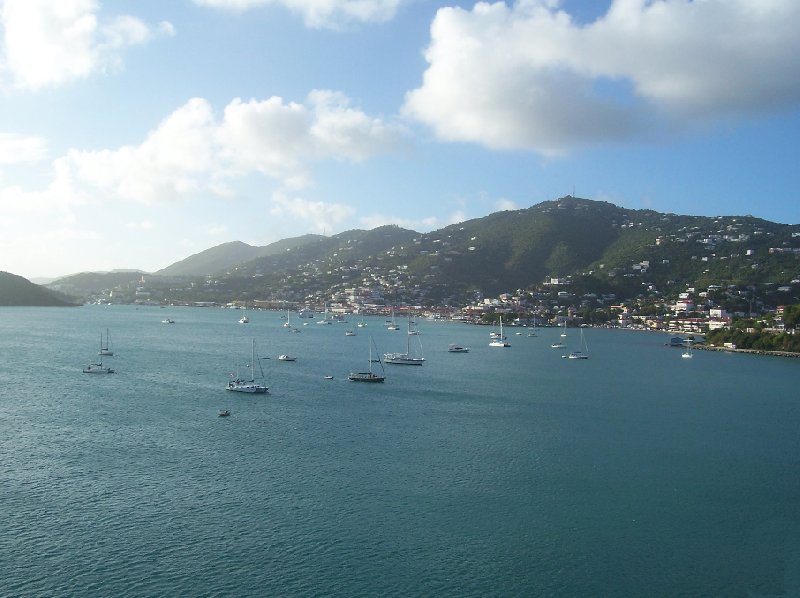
16 290
598 249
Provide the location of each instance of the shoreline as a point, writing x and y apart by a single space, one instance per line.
748 351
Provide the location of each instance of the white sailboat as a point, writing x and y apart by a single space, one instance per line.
500 340
369 376
250 386
583 353
532 333
105 349
392 324
560 344
288 322
687 353
405 358
325 319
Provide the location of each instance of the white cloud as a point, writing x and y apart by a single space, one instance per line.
505 204
173 161
420 224
321 216
17 149
191 152
49 43
141 225
320 13
528 77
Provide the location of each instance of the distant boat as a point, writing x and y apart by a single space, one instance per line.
244 320
454 348
250 386
406 358
349 332
328 377
98 368
583 353
500 340
224 413
369 376
560 344
362 323
288 322
104 349
325 319
285 357
167 321
687 354
392 325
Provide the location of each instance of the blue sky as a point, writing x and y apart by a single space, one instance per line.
135 133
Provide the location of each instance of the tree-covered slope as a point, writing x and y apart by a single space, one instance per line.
16 290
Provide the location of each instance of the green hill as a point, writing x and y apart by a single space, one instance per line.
598 246
228 255
16 290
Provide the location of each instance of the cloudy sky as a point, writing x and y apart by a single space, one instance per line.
134 133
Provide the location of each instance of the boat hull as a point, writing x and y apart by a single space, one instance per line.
247 387
365 377
402 359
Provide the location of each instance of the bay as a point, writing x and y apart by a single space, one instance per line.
496 472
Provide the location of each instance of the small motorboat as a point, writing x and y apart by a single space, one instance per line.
286 357
329 377
224 413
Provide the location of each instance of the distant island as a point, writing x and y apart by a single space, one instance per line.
18 291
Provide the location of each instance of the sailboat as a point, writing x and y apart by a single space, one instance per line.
687 354
583 353
405 358
240 385
532 333
288 322
368 376
98 368
500 341
104 349
560 344
325 319
392 324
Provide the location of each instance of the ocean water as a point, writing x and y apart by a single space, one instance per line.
501 472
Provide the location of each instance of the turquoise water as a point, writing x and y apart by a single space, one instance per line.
500 472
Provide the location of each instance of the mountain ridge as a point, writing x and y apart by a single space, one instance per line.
613 248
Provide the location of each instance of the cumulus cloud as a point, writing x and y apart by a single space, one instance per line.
192 151
47 43
320 13
17 149
424 224
528 76
320 215
140 225
505 205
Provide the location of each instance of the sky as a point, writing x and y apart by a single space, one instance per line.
135 133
